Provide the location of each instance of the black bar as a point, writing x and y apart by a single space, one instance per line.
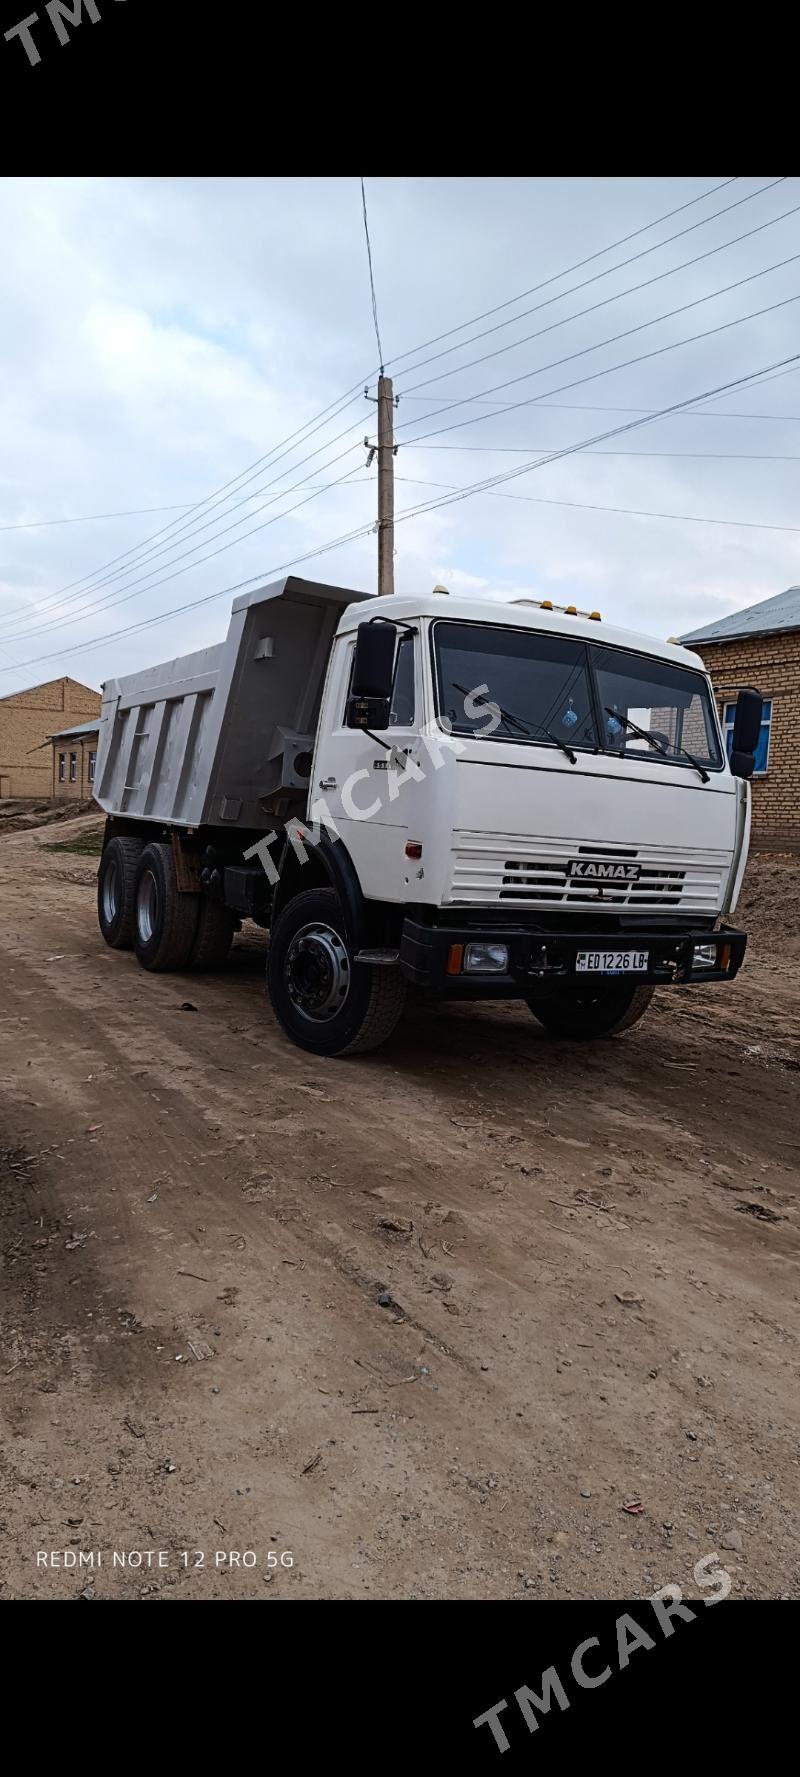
544 961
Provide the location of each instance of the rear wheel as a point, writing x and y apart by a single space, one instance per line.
116 879
324 1001
603 1009
166 921
214 936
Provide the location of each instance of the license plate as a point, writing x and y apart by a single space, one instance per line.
612 962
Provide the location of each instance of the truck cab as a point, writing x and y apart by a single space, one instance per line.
505 800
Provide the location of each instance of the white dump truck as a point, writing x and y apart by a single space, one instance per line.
468 798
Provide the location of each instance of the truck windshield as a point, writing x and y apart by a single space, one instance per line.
492 682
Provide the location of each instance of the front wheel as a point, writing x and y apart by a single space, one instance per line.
326 1002
603 1009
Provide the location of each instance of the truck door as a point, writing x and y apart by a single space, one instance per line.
358 776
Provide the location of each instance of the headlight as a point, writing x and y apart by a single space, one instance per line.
704 956
485 959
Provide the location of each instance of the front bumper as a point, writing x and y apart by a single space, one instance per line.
541 962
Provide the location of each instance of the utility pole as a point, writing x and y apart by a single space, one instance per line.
385 485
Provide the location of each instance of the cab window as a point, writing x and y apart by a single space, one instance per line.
403 701
401 714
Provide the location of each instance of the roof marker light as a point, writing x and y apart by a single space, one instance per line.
566 610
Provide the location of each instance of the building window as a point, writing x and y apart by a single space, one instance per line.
73 767
762 750
92 757
62 767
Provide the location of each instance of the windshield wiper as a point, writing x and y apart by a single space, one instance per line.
643 735
517 722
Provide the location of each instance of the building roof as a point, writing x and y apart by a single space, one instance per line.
44 685
768 617
72 733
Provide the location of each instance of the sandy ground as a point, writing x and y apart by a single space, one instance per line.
591 1255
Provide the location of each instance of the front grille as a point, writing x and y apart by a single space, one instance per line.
659 888
536 875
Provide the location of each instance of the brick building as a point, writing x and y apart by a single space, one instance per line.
74 752
27 720
760 646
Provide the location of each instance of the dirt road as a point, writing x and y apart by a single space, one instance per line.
590 1254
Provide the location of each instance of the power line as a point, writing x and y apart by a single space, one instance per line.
10 669
340 404
328 464
585 444
566 273
78 589
194 529
250 475
309 428
631 290
624 364
701 413
371 278
412 512
626 511
37 524
592 506
717 456
140 552
110 603
771 379
620 265
626 333
54 599
195 604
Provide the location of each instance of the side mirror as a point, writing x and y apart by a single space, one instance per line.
746 732
369 702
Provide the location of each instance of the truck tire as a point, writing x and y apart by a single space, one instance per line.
165 920
214 936
325 1002
602 1010
116 879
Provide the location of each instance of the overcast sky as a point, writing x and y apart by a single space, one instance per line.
157 337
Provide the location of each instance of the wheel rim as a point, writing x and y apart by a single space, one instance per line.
147 907
111 892
317 972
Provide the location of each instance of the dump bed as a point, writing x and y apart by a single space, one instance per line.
224 736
